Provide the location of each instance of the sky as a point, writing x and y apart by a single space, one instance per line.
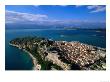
54 14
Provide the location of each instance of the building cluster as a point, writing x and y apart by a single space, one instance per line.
76 52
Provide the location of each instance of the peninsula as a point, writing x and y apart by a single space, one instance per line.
61 55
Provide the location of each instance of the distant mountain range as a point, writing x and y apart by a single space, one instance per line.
57 26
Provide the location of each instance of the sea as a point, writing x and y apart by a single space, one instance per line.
16 59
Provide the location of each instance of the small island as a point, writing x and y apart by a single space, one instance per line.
48 54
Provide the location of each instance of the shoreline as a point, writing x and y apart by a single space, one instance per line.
34 60
67 55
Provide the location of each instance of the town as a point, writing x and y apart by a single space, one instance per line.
62 55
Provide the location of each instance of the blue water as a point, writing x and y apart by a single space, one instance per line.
18 60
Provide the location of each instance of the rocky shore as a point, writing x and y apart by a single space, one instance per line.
61 55
35 62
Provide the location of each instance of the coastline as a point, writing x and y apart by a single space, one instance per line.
67 55
34 60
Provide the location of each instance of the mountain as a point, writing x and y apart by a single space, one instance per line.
56 26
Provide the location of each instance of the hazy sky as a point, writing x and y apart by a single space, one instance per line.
54 14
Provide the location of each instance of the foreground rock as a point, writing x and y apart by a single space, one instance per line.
62 55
